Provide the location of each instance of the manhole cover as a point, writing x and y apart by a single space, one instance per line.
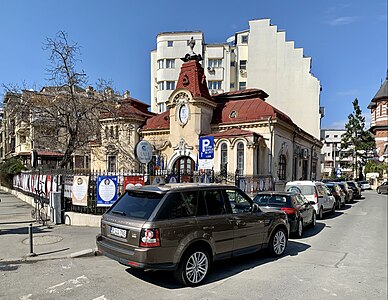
43 240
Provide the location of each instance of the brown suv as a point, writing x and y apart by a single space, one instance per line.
185 227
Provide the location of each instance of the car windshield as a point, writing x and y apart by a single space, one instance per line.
302 189
272 200
351 183
136 204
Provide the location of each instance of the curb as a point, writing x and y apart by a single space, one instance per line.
83 253
30 260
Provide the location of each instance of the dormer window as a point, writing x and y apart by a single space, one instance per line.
233 114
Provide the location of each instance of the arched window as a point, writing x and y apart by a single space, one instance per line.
224 157
240 157
282 167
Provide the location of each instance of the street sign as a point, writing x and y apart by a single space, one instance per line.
143 152
206 147
338 172
206 164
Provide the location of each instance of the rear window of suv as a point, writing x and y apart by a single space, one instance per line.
273 200
136 204
302 189
182 205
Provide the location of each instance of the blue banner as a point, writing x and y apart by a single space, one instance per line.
107 189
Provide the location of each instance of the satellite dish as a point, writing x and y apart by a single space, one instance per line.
381 158
231 39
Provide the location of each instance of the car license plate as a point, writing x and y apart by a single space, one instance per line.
118 232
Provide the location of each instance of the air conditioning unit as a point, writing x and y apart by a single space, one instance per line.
243 71
210 69
305 153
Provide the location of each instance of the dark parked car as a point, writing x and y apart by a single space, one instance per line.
338 193
185 227
383 188
356 189
347 190
299 210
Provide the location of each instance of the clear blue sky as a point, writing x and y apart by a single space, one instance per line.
347 40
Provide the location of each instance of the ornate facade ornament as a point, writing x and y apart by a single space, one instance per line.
183 146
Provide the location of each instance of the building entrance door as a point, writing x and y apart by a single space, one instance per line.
184 168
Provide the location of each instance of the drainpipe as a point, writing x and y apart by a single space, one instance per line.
311 162
270 146
293 155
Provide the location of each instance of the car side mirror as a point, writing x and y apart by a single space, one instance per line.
255 208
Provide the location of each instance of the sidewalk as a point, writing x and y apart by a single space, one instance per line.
49 242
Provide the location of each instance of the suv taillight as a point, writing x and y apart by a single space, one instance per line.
316 198
289 210
149 238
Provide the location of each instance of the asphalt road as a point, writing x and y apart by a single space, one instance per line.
343 257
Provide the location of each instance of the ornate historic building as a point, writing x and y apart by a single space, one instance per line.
251 136
379 121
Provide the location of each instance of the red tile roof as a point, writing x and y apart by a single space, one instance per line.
236 108
161 121
128 107
42 153
49 153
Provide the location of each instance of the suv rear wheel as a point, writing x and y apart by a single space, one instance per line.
278 242
314 220
299 231
194 267
320 213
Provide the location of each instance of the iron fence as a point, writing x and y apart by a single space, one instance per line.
32 183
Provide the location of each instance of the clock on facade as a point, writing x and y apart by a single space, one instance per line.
183 113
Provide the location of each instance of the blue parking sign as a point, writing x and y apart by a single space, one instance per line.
206 147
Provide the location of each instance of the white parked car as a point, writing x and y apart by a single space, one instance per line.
364 185
315 191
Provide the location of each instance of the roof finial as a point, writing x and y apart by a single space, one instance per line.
191 55
191 44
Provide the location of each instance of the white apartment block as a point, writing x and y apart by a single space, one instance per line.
259 57
330 153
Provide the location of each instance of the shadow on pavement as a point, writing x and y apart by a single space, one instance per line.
8 267
311 231
24 230
17 222
220 269
345 207
330 215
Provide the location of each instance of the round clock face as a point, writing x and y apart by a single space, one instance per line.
183 113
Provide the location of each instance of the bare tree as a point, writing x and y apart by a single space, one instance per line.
65 115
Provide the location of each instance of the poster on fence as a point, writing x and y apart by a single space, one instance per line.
106 190
157 180
54 184
48 185
79 194
132 181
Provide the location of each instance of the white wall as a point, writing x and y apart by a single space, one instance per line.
278 68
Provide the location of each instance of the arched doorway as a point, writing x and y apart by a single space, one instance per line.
184 167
